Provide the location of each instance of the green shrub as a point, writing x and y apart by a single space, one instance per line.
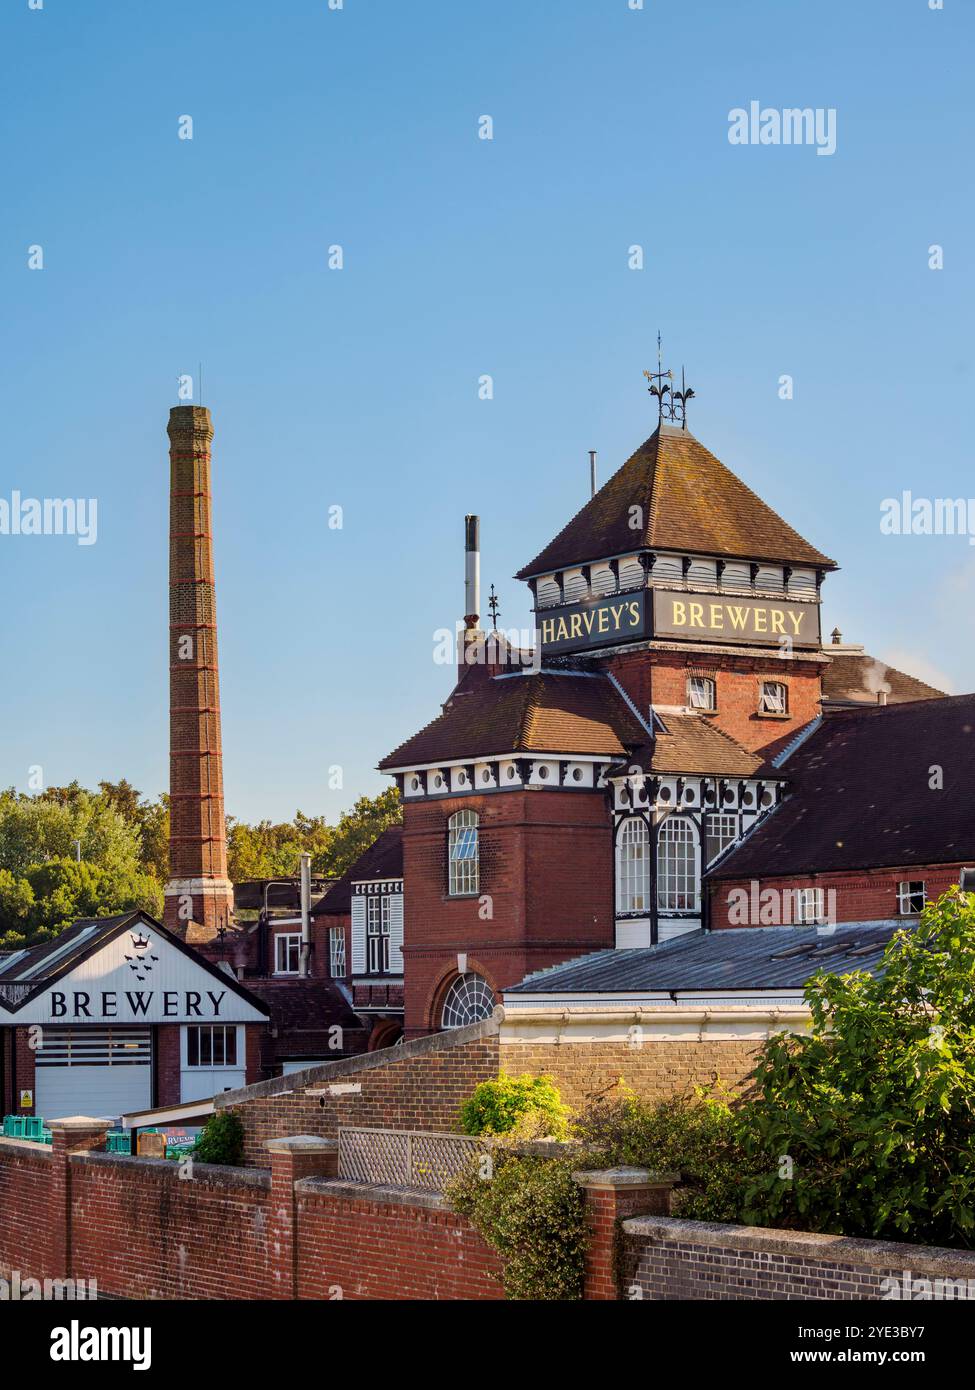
528 1105
864 1127
221 1140
533 1214
697 1136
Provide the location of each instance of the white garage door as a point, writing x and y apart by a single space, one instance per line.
93 1071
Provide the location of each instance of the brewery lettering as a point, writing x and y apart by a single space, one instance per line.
783 621
608 620
105 1003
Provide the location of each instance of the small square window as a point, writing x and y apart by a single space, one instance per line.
911 897
287 954
810 906
701 693
773 698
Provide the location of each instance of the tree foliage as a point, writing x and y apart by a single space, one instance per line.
506 1103
865 1126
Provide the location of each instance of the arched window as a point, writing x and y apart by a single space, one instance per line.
677 876
462 853
633 866
469 999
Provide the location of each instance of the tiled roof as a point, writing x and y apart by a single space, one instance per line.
693 744
540 712
690 502
742 958
855 678
862 795
305 1005
382 860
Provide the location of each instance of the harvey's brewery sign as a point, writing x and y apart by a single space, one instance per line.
693 617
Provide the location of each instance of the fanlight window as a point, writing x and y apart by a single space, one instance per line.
633 866
468 1000
677 875
462 853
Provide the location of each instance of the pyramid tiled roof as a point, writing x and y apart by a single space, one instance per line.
690 503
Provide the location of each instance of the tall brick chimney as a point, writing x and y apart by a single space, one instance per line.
198 890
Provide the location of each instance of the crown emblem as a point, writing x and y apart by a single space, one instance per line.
140 942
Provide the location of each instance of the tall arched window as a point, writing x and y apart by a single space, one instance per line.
462 853
677 874
633 866
469 999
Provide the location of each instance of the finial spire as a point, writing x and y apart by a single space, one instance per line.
494 609
671 404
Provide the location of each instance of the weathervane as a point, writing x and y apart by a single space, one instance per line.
493 606
671 404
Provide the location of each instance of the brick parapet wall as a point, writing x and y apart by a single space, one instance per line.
418 1085
671 1259
655 1070
359 1242
25 1234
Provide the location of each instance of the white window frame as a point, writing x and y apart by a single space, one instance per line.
336 953
729 832
633 878
707 691
377 934
678 866
771 703
809 906
287 940
210 1030
463 854
907 889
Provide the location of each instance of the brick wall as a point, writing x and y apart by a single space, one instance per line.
546 866
670 1259
656 1070
168 1080
360 1243
25 1180
661 678
419 1085
862 895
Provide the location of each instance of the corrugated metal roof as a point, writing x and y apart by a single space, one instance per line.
741 958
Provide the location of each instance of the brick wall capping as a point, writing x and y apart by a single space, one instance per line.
625 1179
209 1174
847 1250
349 1066
373 1192
301 1144
19 1146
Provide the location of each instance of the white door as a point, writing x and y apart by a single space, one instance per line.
92 1071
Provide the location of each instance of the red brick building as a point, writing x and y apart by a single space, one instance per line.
577 805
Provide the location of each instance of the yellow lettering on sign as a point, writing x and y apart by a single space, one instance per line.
738 617
697 614
680 617
603 620
778 619
634 613
796 620
548 626
562 631
717 615
761 613
616 610
587 618
575 624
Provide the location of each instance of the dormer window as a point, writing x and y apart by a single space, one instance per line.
773 698
702 693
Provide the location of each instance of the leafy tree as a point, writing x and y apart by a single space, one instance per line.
357 829
52 825
65 890
865 1125
149 818
267 850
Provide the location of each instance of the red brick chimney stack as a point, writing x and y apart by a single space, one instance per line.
198 890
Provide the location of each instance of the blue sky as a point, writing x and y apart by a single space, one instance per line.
462 257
